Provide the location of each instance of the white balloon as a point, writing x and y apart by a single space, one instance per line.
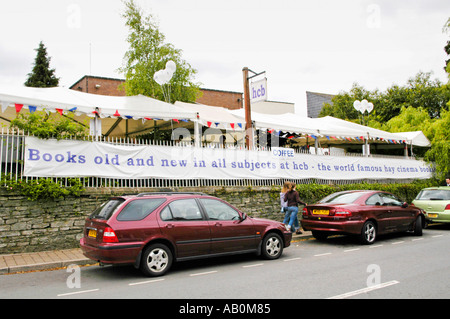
159 77
166 76
369 107
357 105
364 106
171 66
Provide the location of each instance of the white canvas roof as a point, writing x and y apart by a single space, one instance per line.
108 106
214 116
418 138
328 127
142 107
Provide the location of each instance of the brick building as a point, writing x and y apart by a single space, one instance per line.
109 86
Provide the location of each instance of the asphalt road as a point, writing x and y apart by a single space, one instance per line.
396 266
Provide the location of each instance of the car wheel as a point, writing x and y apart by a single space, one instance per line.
272 246
418 226
156 260
368 233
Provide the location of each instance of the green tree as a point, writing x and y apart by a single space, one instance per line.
147 54
419 91
439 153
446 29
342 104
41 75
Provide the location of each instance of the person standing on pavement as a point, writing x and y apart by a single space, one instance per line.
293 199
283 203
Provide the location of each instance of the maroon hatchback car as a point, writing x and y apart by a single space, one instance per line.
152 230
363 213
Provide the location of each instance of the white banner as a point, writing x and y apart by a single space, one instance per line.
51 158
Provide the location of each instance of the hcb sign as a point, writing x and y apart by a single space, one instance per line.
258 90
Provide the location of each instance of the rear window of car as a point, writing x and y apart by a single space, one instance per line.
433 194
139 209
106 210
341 198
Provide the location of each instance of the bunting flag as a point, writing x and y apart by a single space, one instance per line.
209 123
4 105
60 111
176 121
18 107
232 125
73 109
240 125
32 108
117 113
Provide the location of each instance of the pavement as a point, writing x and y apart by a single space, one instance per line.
50 260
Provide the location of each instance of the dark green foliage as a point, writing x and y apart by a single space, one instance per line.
42 76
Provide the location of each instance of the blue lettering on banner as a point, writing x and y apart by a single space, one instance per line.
68 158
35 155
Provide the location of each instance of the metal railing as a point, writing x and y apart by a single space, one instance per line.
12 150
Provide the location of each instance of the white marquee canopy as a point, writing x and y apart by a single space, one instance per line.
65 100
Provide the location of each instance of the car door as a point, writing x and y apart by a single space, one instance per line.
400 217
182 222
380 212
229 232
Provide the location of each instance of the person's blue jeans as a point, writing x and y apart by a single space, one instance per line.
290 216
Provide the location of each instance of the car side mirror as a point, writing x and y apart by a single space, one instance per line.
243 217
405 205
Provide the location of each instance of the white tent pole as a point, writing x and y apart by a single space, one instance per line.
196 132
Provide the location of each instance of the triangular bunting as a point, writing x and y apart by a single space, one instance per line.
18 107
4 105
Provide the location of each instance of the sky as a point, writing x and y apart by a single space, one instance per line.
319 46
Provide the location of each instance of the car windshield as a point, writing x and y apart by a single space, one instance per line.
434 194
107 209
341 198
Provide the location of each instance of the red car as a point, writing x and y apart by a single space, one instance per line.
362 212
152 230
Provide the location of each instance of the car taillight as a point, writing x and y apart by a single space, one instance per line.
305 211
340 212
447 207
109 236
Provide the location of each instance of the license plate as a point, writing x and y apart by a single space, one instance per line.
92 233
432 215
321 211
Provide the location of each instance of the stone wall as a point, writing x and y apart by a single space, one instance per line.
30 226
